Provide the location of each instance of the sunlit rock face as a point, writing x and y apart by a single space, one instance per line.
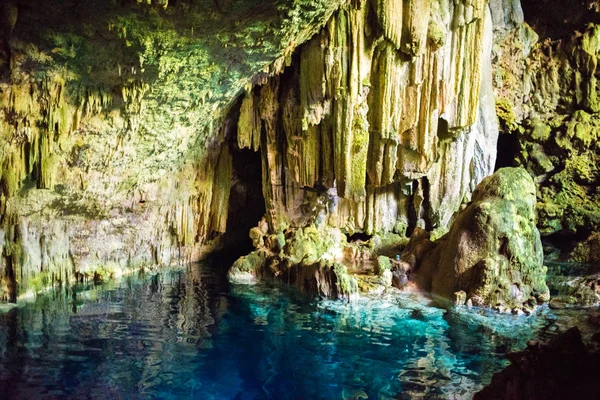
384 121
493 252
112 127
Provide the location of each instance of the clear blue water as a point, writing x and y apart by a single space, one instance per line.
188 334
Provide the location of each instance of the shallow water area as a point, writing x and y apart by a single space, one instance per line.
189 334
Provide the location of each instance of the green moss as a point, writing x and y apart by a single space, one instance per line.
383 264
436 35
40 282
10 182
506 115
539 131
357 159
250 263
347 285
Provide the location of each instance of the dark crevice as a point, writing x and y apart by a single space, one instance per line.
549 19
508 147
358 236
413 218
246 201
426 206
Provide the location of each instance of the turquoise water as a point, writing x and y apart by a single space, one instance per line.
188 334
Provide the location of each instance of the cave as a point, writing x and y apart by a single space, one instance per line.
246 202
237 200
358 237
508 147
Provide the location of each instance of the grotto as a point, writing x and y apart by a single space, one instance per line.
299 199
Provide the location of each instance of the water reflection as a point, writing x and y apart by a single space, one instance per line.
186 334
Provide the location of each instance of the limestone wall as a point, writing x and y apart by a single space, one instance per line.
388 113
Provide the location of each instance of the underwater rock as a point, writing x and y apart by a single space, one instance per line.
246 268
493 250
578 291
562 368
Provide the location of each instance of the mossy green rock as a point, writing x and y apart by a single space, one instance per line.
493 250
246 268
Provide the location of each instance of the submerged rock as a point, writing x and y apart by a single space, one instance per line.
492 252
560 369
576 291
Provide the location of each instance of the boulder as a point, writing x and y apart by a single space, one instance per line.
304 258
588 252
492 252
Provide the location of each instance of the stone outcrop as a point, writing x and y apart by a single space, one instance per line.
307 259
492 253
588 251
562 368
546 88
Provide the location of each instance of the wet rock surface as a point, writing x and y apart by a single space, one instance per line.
563 368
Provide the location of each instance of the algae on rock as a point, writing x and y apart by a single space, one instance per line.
493 251
112 118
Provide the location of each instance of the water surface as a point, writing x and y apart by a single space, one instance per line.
188 334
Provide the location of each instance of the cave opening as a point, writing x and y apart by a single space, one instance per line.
508 147
246 200
358 237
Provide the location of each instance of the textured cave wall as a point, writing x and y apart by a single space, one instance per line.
384 121
112 127
546 82
119 125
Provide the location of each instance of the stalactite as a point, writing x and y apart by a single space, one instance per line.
272 154
385 116
222 186
249 124
389 15
361 114
468 23
414 26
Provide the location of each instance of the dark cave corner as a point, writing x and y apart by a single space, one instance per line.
358 237
508 146
246 203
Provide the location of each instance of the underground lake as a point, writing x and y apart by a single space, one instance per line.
188 333
299 199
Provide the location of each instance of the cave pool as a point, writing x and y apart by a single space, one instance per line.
187 333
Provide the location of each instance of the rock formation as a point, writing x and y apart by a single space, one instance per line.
304 258
113 125
382 121
492 253
559 369
139 138
380 115
546 89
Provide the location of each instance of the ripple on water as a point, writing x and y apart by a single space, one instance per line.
186 334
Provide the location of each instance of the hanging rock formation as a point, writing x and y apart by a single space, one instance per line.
113 127
385 120
388 114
